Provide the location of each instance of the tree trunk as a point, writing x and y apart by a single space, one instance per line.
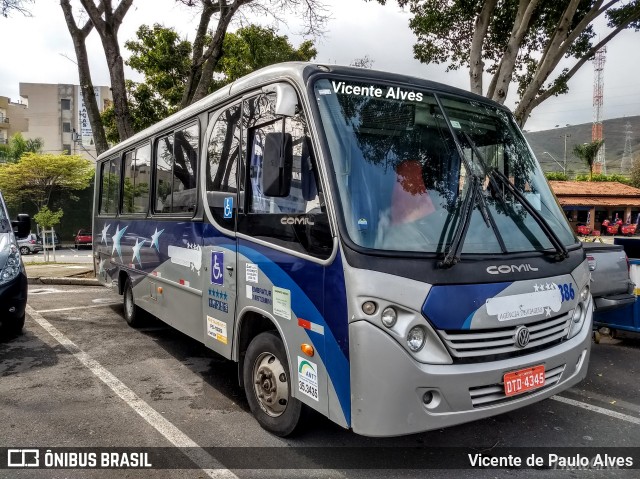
84 73
118 89
476 65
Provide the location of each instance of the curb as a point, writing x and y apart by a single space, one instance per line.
65 281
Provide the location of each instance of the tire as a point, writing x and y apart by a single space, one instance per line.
132 313
15 328
24 250
264 362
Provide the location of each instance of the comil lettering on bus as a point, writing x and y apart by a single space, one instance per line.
395 93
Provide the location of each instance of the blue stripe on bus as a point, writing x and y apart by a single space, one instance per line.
334 358
453 306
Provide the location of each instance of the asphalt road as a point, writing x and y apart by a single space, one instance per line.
80 377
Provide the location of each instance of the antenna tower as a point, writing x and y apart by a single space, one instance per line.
598 87
625 165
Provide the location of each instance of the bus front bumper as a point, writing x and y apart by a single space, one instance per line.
388 386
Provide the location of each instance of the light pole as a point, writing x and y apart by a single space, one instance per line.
566 135
564 168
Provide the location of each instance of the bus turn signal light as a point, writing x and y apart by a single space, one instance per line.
307 349
159 289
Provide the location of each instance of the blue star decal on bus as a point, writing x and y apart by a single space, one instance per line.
154 239
116 240
104 238
136 251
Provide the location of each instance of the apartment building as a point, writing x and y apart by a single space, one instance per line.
57 114
12 118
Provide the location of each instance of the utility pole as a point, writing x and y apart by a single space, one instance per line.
566 135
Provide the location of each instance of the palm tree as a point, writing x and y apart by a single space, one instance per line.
588 153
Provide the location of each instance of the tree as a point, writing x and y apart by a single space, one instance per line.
107 21
37 176
9 6
207 47
635 171
18 146
47 218
520 41
588 152
164 59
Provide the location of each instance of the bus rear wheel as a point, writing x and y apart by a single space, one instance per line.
267 383
132 314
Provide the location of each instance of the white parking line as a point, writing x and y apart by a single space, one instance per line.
78 307
174 435
598 409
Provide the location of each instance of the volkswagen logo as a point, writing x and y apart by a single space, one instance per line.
521 336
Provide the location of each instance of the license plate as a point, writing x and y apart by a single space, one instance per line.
517 382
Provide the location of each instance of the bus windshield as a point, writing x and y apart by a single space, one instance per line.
406 161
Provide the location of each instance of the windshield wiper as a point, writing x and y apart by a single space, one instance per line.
470 202
561 250
496 175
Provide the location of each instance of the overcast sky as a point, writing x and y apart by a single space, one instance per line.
39 50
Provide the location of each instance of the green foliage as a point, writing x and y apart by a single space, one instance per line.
165 61
36 176
604 178
634 175
47 218
556 176
18 146
588 152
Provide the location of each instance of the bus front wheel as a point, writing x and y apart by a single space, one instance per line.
267 383
131 312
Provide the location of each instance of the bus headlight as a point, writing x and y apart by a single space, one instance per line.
584 294
416 338
12 267
389 317
578 317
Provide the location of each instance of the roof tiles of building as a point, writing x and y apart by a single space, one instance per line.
587 193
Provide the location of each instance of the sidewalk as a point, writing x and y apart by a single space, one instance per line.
61 273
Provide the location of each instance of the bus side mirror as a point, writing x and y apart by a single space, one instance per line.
277 165
22 226
286 98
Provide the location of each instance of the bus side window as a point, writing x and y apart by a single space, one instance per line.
110 184
223 151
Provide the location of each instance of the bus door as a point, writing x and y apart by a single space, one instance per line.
220 186
284 239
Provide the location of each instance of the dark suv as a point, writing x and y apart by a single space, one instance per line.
13 277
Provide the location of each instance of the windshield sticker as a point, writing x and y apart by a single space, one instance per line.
455 124
308 378
395 93
217 329
282 302
545 299
324 91
251 273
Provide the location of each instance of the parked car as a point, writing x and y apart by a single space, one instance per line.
30 245
47 242
83 238
13 276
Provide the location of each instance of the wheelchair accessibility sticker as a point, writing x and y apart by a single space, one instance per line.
217 261
228 207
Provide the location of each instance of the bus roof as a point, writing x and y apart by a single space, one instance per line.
297 71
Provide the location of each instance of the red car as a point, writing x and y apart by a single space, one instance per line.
83 238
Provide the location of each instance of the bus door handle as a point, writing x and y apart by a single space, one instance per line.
230 269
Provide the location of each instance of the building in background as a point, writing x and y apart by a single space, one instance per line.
57 114
12 118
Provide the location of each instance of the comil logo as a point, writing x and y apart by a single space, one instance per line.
23 458
296 220
510 268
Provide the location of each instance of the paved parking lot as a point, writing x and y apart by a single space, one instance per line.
80 377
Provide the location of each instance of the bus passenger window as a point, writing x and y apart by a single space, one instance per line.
110 184
135 193
164 167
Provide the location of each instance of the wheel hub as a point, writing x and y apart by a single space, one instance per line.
270 384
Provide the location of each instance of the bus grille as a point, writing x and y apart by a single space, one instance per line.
493 394
470 346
